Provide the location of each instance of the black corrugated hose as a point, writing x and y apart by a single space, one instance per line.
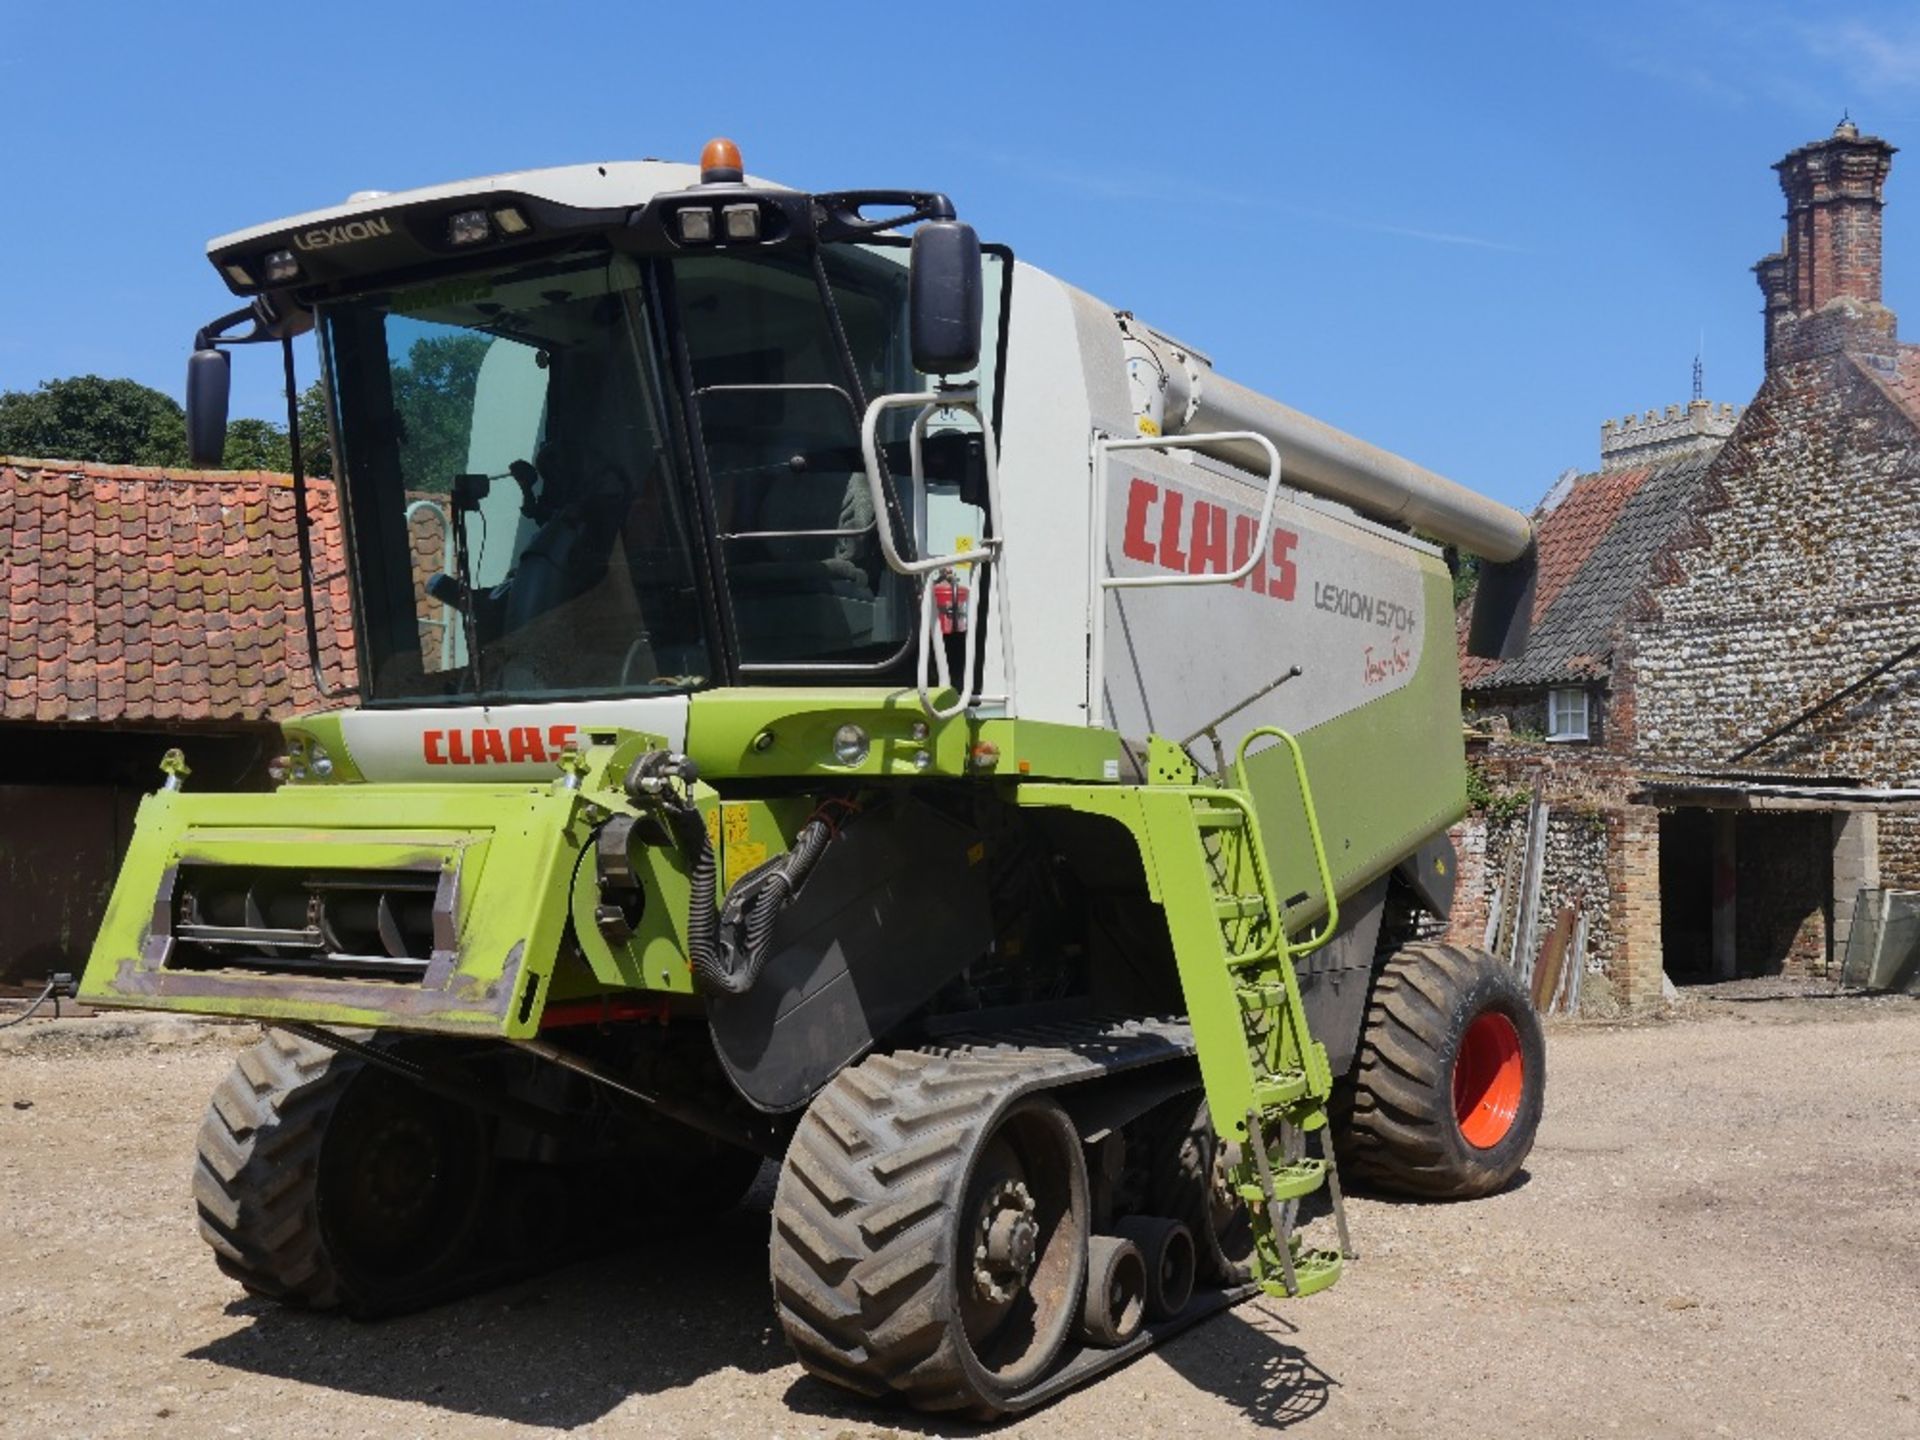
726 945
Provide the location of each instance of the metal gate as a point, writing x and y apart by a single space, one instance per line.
1883 950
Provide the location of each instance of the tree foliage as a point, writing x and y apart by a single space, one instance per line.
122 422
433 400
85 417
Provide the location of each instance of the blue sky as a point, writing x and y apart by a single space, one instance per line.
1466 232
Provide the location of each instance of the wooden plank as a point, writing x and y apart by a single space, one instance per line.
1532 875
1553 955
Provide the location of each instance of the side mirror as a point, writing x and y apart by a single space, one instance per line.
944 298
208 380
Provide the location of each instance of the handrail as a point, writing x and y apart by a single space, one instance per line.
1097 536
1325 933
930 401
932 662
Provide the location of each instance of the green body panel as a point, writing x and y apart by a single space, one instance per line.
766 733
1388 775
504 854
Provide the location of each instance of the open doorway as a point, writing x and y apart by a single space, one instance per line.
1755 886
1686 895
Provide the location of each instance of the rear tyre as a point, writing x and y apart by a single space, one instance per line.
1447 1089
929 1241
322 1182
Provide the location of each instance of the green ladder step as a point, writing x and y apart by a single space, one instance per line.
1276 1092
1239 907
1219 817
1313 1271
1290 1182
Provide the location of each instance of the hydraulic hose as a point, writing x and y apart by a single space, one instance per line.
727 945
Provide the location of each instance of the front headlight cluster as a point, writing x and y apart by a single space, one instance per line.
306 759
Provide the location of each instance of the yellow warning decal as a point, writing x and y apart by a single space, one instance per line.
743 855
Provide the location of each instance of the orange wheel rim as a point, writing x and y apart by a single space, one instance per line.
1489 1077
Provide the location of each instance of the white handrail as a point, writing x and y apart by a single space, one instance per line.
1097 544
932 662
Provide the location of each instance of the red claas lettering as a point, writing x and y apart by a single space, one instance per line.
484 745
1191 539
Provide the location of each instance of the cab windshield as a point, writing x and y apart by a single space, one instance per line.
596 475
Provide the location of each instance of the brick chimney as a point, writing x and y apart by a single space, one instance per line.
1822 287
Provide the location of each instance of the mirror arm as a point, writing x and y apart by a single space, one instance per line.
840 217
214 333
268 324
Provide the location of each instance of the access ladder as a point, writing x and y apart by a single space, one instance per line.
1267 1079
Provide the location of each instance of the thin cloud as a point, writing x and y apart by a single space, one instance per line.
1881 61
1154 192
1746 54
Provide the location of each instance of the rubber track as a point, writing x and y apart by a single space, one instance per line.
863 1214
258 1156
1394 1116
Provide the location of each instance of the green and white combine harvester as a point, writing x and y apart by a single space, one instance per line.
845 700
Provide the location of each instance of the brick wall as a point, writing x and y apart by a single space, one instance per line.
1783 875
1589 828
1900 852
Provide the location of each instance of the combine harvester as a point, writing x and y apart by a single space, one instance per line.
845 700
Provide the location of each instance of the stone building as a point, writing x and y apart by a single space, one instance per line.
1720 706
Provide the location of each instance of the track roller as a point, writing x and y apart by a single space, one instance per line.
1116 1304
1166 1250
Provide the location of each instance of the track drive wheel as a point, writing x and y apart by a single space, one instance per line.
930 1235
323 1182
1190 1181
1446 1091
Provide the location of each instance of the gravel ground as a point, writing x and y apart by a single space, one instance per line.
1719 1234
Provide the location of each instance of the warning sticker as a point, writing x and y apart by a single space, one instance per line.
742 856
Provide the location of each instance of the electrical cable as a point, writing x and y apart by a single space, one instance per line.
39 1000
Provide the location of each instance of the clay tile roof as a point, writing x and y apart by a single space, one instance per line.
1597 551
1902 386
136 594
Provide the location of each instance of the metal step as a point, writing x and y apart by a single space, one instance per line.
1276 1092
1291 1181
1313 1271
1239 907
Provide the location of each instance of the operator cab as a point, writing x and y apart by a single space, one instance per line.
594 450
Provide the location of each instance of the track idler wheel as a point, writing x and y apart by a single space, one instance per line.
930 1243
1116 1303
1166 1249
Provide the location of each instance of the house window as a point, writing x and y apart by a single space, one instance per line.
1566 714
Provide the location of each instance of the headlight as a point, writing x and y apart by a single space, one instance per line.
468 227
850 745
